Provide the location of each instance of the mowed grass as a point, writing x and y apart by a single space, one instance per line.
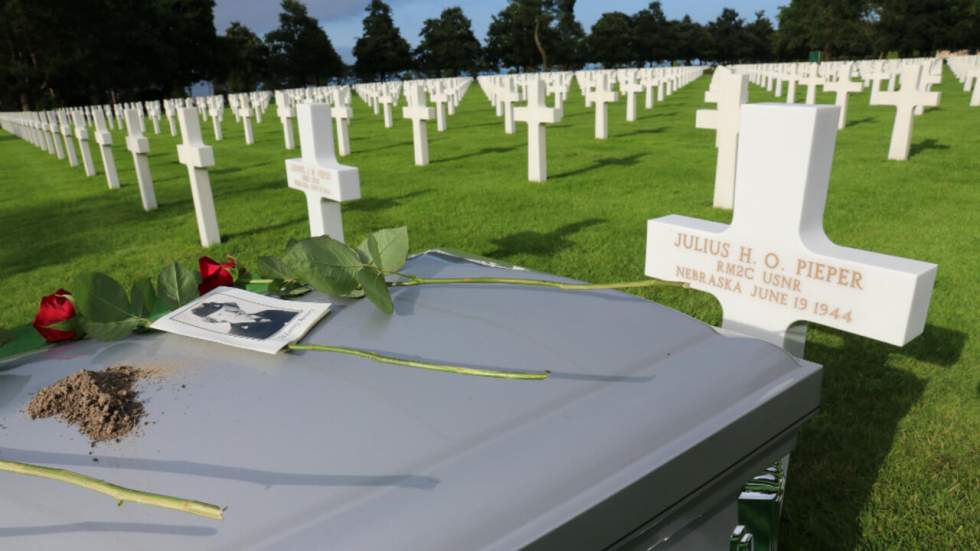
892 461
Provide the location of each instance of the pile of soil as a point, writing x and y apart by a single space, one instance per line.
104 405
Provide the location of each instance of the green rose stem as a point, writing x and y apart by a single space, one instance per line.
118 493
415 280
444 368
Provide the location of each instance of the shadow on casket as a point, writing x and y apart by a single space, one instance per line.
137 527
244 474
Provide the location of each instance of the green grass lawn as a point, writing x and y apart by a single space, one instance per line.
892 461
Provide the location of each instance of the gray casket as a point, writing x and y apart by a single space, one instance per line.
644 434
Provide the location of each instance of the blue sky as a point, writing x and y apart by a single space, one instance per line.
342 18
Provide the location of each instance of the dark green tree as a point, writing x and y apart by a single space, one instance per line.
653 36
448 46
300 53
571 48
611 40
524 35
245 59
837 28
759 38
691 41
381 51
728 38
921 27
85 51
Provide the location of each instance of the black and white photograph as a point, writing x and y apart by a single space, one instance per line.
244 319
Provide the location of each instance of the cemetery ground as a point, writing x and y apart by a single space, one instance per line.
893 458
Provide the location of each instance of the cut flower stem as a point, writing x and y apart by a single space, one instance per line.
444 368
119 493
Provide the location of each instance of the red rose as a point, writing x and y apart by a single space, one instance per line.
214 274
54 309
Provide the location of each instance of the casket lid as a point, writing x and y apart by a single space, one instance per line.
323 451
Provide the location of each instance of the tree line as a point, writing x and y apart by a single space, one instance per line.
88 51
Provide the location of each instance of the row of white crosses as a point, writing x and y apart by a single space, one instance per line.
55 132
597 89
907 86
341 111
967 70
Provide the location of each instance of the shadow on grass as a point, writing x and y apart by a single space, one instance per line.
628 160
925 145
228 237
383 147
842 449
641 131
484 151
371 204
539 243
865 120
494 123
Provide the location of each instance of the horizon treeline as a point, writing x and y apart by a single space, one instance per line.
97 51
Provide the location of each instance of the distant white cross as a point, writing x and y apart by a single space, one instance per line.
387 99
729 91
507 95
419 112
905 100
842 87
245 116
55 130
773 268
439 97
104 138
317 173
216 109
342 114
630 88
139 146
536 114
602 95
81 134
198 157
66 135
286 112
811 81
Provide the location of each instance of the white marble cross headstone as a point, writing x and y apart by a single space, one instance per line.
342 114
286 112
842 87
66 135
905 99
729 91
216 109
630 88
811 81
506 96
168 109
104 138
440 97
419 112
245 115
55 130
81 134
773 268
536 114
602 95
139 146
317 173
387 99
198 157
